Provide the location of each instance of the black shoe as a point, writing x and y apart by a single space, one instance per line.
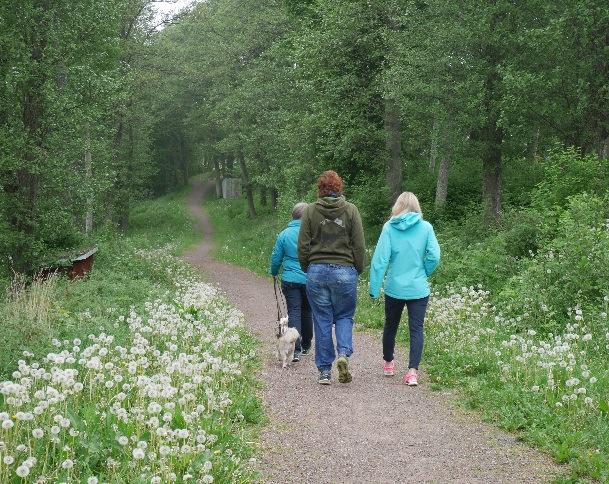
325 378
296 357
305 352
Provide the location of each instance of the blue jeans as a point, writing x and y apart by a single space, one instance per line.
299 313
332 291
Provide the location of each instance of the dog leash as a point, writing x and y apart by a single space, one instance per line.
275 288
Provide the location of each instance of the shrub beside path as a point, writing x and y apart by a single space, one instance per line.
373 430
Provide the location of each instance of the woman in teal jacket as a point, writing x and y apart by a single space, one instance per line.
294 281
408 251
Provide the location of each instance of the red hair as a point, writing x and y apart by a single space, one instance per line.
328 183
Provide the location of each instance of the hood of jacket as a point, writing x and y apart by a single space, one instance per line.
405 220
331 207
294 223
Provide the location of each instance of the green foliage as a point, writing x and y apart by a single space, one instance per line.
241 240
523 232
569 270
74 124
566 172
60 309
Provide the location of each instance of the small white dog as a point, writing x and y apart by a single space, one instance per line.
286 342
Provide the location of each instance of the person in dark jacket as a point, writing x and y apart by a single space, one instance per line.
331 250
293 282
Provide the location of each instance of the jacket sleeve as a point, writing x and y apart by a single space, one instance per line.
380 262
277 255
432 252
304 241
358 242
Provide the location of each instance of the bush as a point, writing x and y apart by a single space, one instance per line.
571 269
567 173
524 230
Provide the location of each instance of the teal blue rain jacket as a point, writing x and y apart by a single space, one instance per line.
407 247
285 253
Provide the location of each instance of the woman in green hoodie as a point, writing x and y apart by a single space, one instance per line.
331 251
408 251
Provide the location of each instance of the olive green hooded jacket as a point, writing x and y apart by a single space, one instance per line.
332 233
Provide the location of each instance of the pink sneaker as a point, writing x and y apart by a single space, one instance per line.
411 379
389 368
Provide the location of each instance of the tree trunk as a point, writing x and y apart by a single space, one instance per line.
88 176
263 196
393 143
491 172
603 152
124 202
492 134
229 167
249 192
433 152
274 198
25 191
218 177
535 145
183 159
442 182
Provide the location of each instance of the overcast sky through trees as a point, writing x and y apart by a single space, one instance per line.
165 9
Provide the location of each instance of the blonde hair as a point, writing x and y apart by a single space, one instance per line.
406 202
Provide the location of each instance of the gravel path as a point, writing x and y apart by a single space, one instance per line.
361 432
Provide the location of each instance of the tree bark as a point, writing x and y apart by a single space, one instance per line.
274 198
25 191
433 151
229 167
442 182
393 143
491 172
492 134
603 152
263 196
247 183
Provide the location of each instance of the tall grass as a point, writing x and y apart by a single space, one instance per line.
30 305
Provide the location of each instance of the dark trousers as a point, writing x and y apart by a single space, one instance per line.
299 313
416 316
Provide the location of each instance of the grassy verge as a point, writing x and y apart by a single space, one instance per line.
241 240
150 368
59 309
551 389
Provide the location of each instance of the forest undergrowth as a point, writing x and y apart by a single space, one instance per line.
140 373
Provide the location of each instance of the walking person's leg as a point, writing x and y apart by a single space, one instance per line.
321 306
343 289
416 318
293 299
393 314
306 320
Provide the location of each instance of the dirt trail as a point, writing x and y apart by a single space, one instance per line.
373 430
